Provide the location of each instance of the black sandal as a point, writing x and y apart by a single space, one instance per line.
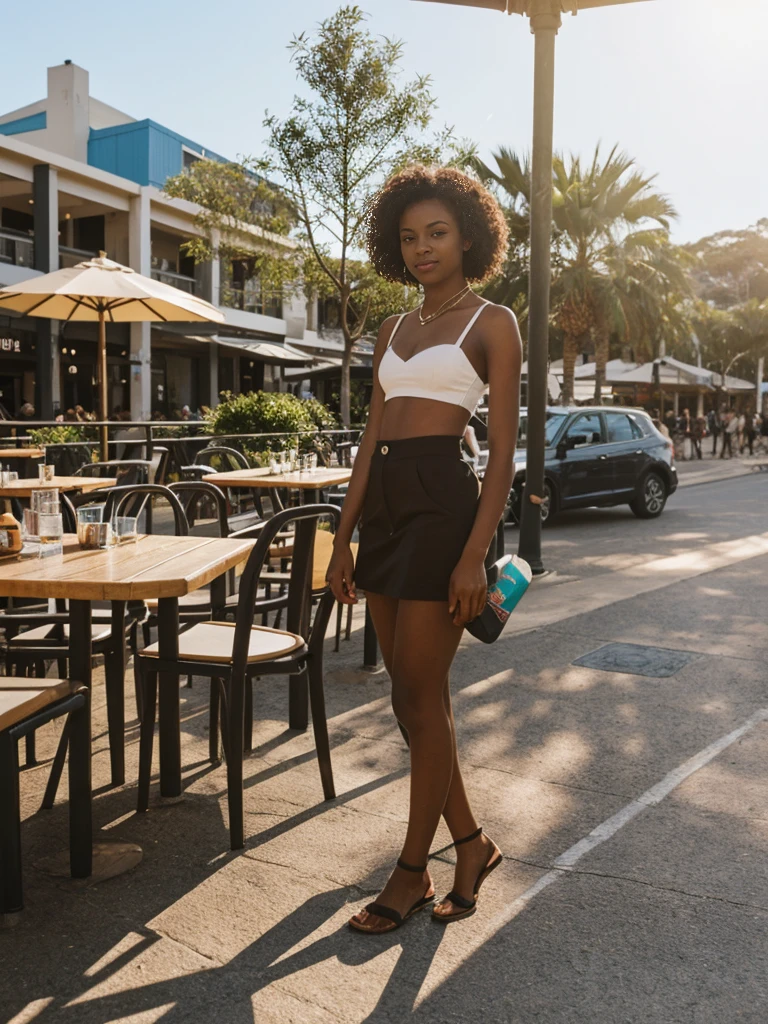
468 907
397 919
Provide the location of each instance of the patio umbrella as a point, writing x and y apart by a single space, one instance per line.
100 289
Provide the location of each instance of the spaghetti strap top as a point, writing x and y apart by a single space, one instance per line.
442 372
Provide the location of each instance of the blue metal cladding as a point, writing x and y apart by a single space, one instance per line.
142 151
33 123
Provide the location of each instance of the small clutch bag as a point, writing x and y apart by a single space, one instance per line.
508 580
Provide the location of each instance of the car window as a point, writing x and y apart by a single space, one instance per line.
587 425
641 426
553 424
619 427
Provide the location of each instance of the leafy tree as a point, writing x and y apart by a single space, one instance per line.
732 266
356 124
615 272
242 217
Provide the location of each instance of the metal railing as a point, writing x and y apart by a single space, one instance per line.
142 439
16 248
180 281
250 300
69 257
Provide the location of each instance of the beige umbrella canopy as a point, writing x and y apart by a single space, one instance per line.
101 290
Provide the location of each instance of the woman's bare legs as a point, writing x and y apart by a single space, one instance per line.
472 857
418 642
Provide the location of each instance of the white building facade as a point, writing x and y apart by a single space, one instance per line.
77 177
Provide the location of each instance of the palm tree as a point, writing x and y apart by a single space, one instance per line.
614 269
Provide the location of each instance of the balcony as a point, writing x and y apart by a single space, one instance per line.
180 281
69 257
16 248
251 300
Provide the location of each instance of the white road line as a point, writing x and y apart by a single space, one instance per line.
608 828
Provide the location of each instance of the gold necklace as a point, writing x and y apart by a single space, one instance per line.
454 300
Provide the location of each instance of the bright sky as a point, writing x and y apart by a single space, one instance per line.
680 84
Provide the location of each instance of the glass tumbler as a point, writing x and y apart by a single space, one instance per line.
92 532
125 529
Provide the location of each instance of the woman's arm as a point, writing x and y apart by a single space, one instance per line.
504 357
340 573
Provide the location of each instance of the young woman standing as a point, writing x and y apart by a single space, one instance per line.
425 526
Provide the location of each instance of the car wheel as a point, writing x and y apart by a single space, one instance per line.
547 506
649 504
516 504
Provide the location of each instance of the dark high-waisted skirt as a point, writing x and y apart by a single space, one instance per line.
418 513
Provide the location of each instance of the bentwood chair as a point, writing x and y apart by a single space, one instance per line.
231 655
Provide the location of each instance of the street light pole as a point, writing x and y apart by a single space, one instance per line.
545 23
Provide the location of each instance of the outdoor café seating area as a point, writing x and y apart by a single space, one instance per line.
156 576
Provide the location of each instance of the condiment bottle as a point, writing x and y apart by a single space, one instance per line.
10 534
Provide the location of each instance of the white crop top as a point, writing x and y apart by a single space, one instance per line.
440 372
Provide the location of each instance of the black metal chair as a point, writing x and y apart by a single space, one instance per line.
135 500
26 705
124 471
232 655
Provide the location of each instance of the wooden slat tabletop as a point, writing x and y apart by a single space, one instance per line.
24 488
21 453
309 480
153 567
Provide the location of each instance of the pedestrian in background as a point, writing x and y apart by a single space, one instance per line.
713 425
698 433
747 439
730 428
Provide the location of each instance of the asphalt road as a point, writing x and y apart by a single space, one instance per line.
588 542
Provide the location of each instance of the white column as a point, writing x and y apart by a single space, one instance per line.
140 259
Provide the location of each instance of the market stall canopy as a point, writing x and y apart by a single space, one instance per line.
672 373
614 369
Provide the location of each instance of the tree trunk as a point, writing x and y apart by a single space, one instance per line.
344 396
602 349
570 351
346 359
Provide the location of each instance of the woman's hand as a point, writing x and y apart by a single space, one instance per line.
340 574
467 590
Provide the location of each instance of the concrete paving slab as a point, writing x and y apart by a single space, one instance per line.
594 949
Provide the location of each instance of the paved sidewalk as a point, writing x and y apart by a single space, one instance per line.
631 810
709 470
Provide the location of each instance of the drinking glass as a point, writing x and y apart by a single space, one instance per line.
45 500
45 473
50 531
92 531
125 529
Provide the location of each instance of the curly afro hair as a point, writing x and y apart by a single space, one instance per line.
478 214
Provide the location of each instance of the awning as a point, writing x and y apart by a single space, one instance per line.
329 367
264 351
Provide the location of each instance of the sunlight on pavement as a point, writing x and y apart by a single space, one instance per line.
31 1010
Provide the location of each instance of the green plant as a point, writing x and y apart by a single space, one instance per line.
283 421
320 414
65 434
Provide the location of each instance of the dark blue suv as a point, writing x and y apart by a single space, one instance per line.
603 456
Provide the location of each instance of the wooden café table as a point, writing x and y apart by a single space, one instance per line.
310 482
161 567
85 484
21 453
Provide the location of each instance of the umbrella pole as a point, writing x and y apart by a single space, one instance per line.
102 375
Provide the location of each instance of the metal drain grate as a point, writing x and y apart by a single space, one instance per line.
637 660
